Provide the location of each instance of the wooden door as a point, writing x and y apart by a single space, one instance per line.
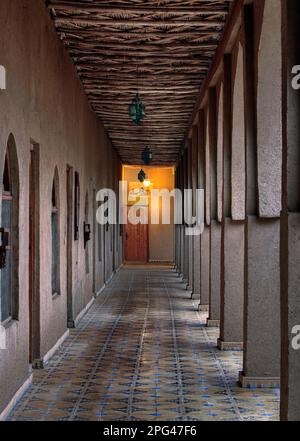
33 270
71 197
136 243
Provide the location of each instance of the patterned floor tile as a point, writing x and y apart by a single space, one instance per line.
143 352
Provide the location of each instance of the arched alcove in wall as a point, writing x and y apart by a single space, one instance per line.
55 236
10 234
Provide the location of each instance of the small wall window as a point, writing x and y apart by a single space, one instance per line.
9 261
55 235
76 205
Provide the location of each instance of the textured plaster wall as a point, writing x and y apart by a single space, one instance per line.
220 122
269 111
44 102
238 172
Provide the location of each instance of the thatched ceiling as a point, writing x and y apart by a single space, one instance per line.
162 48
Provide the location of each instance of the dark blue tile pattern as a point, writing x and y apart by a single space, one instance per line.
143 352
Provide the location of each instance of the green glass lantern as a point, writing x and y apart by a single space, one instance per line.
141 176
147 156
136 110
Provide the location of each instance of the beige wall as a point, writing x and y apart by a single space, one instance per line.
44 102
161 237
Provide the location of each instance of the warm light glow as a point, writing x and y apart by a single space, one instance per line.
147 183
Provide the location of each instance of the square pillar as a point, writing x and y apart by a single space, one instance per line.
261 366
215 274
196 269
290 219
182 250
232 286
190 241
186 257
204 269
290 353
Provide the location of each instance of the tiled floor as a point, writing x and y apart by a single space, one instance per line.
142 352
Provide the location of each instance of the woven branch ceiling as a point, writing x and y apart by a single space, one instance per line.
160 48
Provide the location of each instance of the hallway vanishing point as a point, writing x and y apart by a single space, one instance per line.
143 352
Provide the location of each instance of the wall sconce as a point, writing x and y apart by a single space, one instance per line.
2 78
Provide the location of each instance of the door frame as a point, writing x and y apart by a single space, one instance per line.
104 252
94 233
34 257
70 234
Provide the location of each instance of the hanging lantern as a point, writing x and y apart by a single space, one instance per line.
147 156
136 110
141 176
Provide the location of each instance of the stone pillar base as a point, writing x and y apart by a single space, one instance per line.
185 284
212 323
230 346
194 295
258 383
71 324
203 308
38 363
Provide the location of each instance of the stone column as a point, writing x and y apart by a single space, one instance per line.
181 227
196 239
177 230
204 270
205 238
185 238
189 239
231 326
261 366
232 248
215 226
290 222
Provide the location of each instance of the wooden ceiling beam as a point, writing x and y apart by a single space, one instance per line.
123 49
101 61
89 21
215 4
138 35
163 50
79 7
160 70
126 57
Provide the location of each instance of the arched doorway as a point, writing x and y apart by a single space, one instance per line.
9 261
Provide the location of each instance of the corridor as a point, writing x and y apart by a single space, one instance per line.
150 210
143 352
